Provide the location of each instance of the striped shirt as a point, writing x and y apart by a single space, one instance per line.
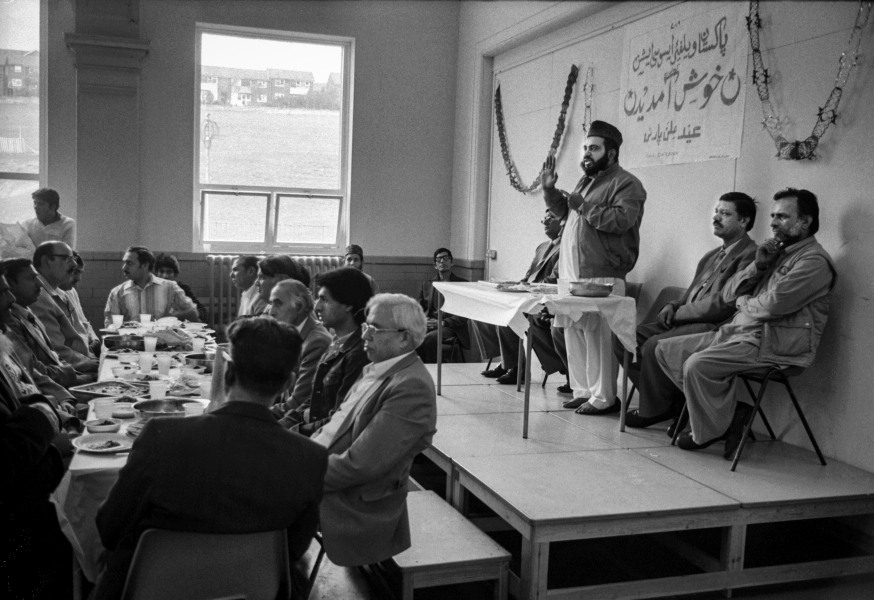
160 298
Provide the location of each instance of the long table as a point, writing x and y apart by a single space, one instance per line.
483 302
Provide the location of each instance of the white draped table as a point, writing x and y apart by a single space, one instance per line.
483 302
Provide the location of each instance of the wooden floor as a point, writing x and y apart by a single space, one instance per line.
675 522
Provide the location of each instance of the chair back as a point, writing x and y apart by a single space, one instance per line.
668 293
180 565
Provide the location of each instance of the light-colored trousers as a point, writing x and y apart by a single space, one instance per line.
592 368
704 366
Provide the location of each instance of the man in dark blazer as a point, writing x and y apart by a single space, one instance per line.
542 270
233 470
387 418
700 309
454 327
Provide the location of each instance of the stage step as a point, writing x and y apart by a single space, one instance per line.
447 549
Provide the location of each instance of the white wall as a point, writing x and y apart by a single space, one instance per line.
802 50
403 119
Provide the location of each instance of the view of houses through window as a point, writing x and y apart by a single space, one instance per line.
272 141
19 108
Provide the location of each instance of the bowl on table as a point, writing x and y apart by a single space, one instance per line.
117 342
103 425
200 359
588 289
148 409
122 370
128 358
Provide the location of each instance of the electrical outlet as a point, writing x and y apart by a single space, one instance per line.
492 254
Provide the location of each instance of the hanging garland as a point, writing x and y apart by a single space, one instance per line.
827 114
588 88
512 173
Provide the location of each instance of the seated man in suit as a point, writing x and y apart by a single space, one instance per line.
233 470
782 300
244 275
542 270
342 297
80 321
291 302
700 309
30 336
454 327
388 417
55 263
145 293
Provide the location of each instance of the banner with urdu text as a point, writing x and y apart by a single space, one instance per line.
683 85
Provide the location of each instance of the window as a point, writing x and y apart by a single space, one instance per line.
268 178
19 108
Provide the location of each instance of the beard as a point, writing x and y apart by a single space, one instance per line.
597 166
790 235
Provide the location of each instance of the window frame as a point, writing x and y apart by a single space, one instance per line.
275 193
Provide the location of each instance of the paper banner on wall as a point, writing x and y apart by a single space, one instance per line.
683 85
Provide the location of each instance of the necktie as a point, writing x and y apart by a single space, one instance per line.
708 274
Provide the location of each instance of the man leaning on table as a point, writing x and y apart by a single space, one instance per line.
387 418
233 470
599 244
701 309
144 293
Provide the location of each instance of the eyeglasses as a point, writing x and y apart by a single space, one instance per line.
64 256
367 327
442 258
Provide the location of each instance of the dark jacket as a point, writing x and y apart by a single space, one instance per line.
430 299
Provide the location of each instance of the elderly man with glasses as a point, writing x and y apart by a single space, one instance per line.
387 418
454 327
55 264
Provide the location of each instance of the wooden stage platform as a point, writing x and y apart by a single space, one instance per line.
781 517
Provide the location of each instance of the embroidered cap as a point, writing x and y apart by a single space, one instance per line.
605 130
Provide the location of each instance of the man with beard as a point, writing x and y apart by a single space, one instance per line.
782 300
701 309
599 244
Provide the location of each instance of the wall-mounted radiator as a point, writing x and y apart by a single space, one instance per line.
224 297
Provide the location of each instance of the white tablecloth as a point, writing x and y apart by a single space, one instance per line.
484 303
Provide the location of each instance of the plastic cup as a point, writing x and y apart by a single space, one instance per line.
145 362
158 389
103 408
145 318
206 389
193 409
564 287
117 320
164 361
197 344
150 343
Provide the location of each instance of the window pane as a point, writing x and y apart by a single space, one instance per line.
19 78
16 205
270 112
305 220
234 218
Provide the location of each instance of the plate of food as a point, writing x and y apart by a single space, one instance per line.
102 389
103 443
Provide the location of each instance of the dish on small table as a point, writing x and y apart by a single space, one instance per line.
103 443
589 289
124 410
103 425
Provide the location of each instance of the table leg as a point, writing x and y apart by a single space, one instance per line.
527 383
519 367
732 556
535 564
439 351
624 399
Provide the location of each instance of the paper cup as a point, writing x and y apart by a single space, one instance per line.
564 287
117 320
193 409
150 342
103 408
206 389
158 389
164 361
145 318
197 344
145 361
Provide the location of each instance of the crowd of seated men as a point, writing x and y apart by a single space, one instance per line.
323 399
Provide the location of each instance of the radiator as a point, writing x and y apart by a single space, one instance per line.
224 297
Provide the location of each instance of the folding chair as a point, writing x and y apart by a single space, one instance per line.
180 565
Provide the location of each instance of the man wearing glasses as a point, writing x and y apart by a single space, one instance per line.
454 327
387 418
55 264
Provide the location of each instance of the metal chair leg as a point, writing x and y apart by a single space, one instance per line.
749 424
803 420
760 411
678 429
545 377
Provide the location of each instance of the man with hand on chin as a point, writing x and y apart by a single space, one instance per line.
600 244
782 300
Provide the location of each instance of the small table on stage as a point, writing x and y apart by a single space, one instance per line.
484 303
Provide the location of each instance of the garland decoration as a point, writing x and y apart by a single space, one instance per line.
512 173
588 88
828 113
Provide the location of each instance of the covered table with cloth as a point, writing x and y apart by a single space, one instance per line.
485 303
